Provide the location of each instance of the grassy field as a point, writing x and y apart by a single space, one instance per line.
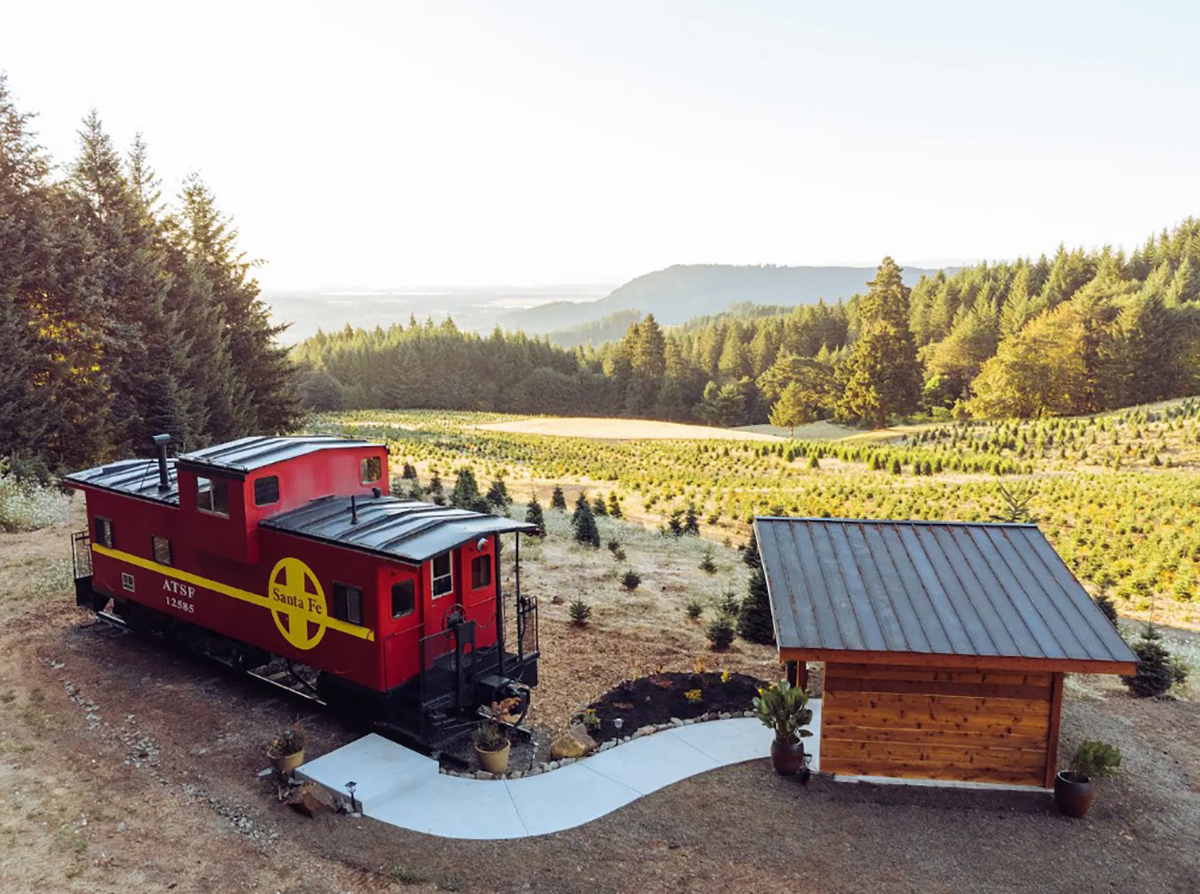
621 429
1117 494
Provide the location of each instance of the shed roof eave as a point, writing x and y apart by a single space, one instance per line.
951 661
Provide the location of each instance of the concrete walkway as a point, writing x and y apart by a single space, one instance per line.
405 789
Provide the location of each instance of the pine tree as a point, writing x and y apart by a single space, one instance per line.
581 506
691 521
586 531
754 620
558 500
497 495
534 515
791 409
599 507
614 505
466 492
884 376
750 555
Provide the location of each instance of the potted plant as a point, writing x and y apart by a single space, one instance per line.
287 751
491 742
1073 787
784 709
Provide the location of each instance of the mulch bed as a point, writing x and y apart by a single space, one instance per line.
661 697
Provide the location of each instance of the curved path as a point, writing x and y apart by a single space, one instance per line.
405 789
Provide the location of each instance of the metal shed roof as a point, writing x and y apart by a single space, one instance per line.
407 529
933 588
248 454
138 477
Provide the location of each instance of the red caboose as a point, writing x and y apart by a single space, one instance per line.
287 558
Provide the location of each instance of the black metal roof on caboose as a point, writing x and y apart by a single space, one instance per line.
140 477
137 477
406 529
248 454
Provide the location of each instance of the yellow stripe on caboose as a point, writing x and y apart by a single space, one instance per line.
298 617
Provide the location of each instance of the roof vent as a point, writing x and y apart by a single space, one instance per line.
353 511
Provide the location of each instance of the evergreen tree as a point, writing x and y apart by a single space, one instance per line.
691 521
466 492
581 506
750 553
754 620
614 505
791 410
558 500
598 506
586 531
534 515
497 495
884 377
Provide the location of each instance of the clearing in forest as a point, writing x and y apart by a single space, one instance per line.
621 429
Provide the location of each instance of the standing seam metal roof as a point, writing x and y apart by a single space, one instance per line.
248 454
954 588
405 529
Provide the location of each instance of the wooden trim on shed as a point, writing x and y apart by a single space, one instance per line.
970 662
1056 697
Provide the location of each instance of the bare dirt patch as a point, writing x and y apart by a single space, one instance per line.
622 429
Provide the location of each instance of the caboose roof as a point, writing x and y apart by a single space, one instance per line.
405 529
248 454
137 477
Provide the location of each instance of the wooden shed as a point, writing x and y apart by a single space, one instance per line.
945 644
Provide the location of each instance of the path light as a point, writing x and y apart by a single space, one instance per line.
618 723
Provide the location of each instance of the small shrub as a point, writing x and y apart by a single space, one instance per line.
1095 760
580 613
631 580
707 565
619 554
694 608
720 633
1157 671
694 696
613 546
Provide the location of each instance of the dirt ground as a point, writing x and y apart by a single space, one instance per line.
622 429
126 768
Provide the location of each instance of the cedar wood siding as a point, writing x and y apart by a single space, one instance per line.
991 726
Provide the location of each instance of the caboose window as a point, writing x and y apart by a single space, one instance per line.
212 495
162 550
104 532
372 469
347 603
443 575
266 490
481 572
403 599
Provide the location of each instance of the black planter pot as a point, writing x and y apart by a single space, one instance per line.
787 757
1072 794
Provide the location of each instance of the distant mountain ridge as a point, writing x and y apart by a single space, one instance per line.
684 291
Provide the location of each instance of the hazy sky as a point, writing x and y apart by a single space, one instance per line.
392 144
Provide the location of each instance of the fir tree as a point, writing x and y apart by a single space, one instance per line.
581 506
754 620
534 515
883 374
599 507
586 531
466 493
558 500
691 521
497 496
614 505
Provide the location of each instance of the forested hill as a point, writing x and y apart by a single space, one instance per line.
684 291
120 317
1073 333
